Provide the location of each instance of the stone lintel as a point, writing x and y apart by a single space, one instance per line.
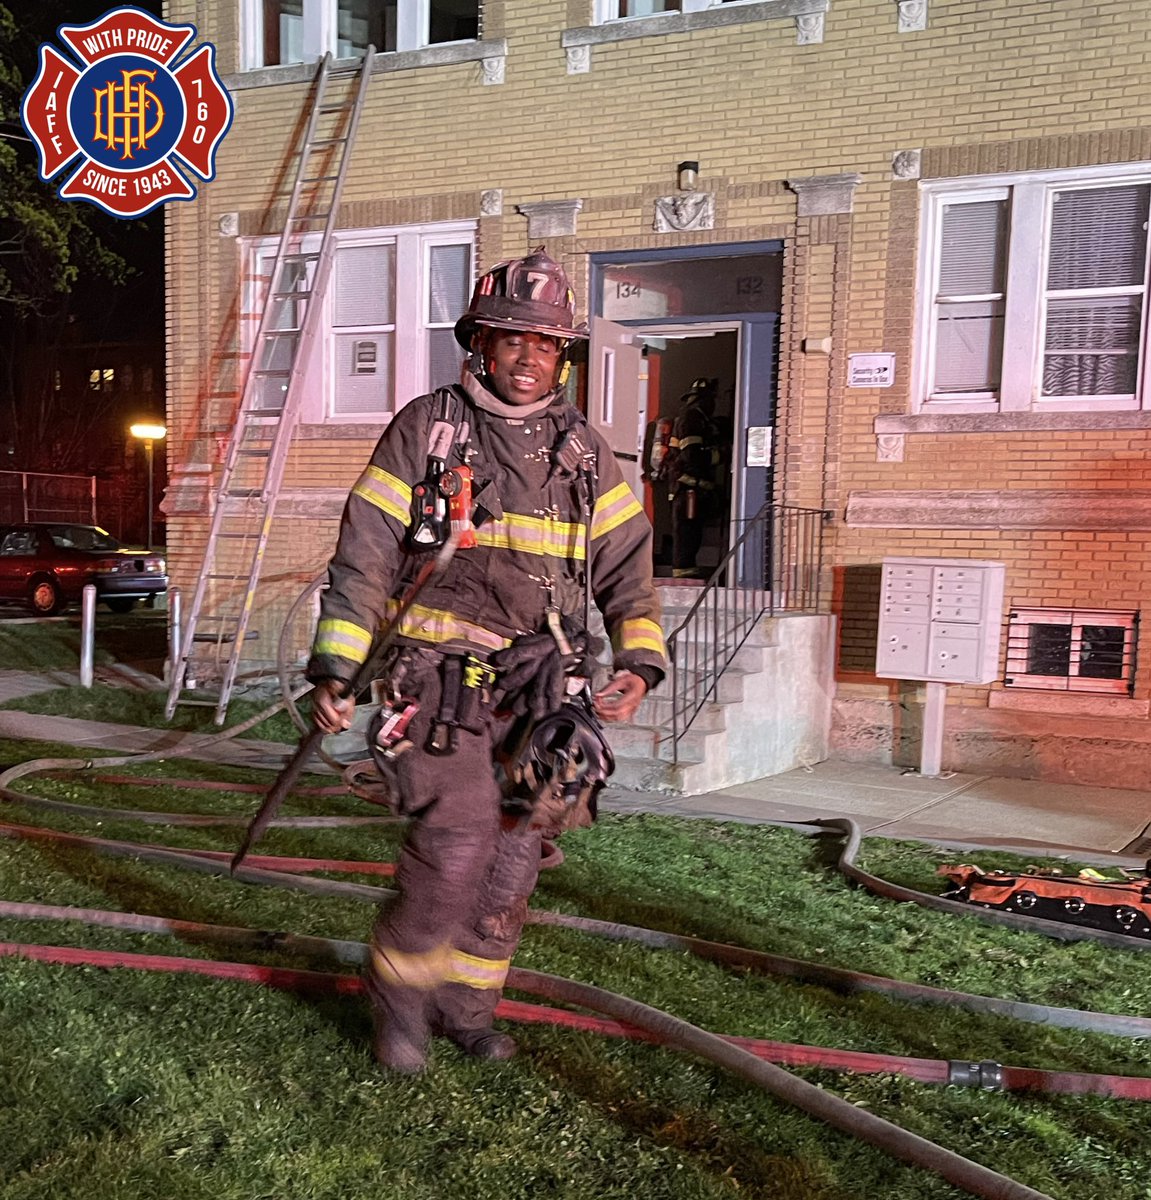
550 218
824 195
1012 508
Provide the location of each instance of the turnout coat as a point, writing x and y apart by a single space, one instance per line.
532 547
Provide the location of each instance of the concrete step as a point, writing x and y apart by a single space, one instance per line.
749 658
651 775
656 709
710 627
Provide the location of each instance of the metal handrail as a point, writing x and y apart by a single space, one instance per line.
774 566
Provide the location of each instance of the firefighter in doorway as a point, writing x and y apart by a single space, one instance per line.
489 658
690 470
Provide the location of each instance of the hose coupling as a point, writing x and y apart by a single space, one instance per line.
987 1075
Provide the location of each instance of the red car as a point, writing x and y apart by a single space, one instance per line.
47 564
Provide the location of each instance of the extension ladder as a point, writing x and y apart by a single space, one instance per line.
217 621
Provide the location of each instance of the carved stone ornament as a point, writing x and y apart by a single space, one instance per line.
579 60
905 164
912 15
684 213
824 195
493 68
889 447
492 202
809 29
229 224
550 218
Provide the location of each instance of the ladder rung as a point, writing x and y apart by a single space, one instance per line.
253 453
302 256
319 178
332 141
263 373
198 703
314 217
333 108
242 493
225 638
296 295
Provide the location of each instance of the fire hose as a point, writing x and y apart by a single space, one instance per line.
661 1027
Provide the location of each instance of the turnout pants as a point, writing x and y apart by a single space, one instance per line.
441 949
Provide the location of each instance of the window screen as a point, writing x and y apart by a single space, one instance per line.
969 297
364 286
1098 247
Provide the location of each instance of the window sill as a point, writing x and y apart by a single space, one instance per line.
626 28
1008 422
1078 704
392 60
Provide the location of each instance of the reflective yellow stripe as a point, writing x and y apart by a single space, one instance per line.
690 441
438 625
639 633
342 638
386 492
533 535
481 973
424 971
613 509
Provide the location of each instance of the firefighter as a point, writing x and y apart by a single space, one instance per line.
691 468
441 951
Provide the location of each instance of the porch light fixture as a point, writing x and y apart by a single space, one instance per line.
687 175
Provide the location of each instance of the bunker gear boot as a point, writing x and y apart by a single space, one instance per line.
465 1016
401 1032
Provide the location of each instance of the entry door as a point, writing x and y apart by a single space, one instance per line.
615 401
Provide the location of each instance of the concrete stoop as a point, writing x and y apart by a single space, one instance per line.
771 712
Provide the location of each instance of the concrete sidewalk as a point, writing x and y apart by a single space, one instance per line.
1105 824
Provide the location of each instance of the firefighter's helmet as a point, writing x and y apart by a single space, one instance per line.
531 294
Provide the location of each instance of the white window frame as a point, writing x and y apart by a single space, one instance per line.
608 10
1015 675
411 325
413 28
1029 198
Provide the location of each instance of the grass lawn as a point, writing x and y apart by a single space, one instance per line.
116 1083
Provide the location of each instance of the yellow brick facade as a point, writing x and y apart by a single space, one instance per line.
982 89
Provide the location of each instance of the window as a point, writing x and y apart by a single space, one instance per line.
1071 650
387 324
614 10
293 31
103 379
1035 295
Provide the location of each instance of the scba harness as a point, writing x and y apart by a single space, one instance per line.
559 757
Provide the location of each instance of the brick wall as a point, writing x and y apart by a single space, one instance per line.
984 88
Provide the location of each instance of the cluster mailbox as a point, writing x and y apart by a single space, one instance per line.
940 620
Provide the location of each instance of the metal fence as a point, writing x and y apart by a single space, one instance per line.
775 566
39 496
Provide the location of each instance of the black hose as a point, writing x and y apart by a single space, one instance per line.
973 1178
841 980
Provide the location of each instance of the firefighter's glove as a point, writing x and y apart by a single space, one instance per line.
533 672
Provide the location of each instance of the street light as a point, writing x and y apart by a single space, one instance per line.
149 434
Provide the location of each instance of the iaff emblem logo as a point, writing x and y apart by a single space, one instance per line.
132 121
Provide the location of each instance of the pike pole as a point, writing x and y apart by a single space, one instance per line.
309 742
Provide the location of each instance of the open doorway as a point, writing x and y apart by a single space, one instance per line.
690 419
